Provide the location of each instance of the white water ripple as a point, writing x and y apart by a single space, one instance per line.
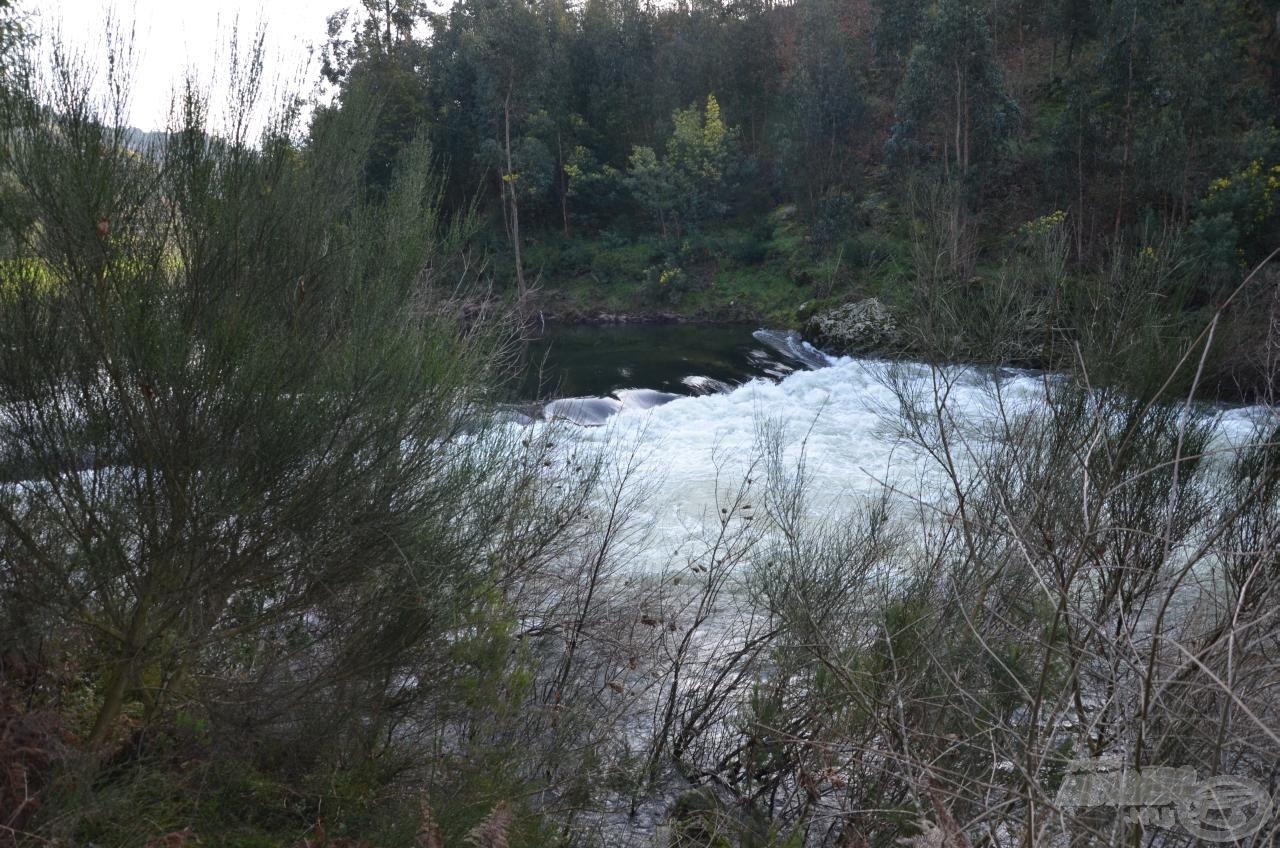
838 421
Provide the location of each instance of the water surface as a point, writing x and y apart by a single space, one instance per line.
683 359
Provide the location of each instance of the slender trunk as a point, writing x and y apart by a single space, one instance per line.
959 115
510 181
112 703
1128 126
1080 192
122 675
504 205
968 128
564 185
1184 200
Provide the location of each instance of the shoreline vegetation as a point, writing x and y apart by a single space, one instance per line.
277 571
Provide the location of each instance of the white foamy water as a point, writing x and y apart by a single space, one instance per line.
838 421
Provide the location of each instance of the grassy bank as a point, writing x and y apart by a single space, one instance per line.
774 272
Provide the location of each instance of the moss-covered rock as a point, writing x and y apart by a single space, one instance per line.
864 326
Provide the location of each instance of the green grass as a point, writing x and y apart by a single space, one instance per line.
763 272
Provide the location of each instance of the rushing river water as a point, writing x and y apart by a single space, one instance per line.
690 405
691 409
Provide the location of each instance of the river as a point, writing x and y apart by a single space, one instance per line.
693 404
692 411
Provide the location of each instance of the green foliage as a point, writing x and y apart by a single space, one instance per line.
373 58
1131 109
686 187
13 33
597 192
898 26
954 85
652 184
248 448
1234 212
825 107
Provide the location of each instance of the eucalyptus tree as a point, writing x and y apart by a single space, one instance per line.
825 106
613 67
1076 19
952 97
1188 100
12 33
372 52
898 26
500 48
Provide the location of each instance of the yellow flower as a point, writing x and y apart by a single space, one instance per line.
1045 224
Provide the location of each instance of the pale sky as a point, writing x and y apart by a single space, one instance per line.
174 35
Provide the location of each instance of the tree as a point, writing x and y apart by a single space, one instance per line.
1075 19
825 108
898 26
13 32
372 56
1164 103
687 186
613 76
652 184
505 45
954 87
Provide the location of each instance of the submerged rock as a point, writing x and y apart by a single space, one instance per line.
865 326
702 385
791 345
643 398
583 411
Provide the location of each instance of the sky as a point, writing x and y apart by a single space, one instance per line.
175 35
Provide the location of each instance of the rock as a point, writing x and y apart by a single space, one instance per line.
865 326
583 411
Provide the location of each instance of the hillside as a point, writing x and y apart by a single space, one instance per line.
753 161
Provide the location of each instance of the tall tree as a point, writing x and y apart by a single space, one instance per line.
824 108
372 56
898 27
687 186
953 92
502 48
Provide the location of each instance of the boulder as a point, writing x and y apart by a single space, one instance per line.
864 326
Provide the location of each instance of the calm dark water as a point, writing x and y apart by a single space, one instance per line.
578 361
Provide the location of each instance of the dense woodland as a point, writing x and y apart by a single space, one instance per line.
279 568
652 117
742 159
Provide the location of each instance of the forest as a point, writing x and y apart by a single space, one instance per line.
759 161
292 557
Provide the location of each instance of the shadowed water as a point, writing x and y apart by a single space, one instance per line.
683 359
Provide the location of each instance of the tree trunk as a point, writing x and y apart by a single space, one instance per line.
122 676
510 182
959 115
564 185
1128 127
112 703
1080 190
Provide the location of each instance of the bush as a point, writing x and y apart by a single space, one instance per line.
255 486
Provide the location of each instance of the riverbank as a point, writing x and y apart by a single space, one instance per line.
763 273
1014 305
